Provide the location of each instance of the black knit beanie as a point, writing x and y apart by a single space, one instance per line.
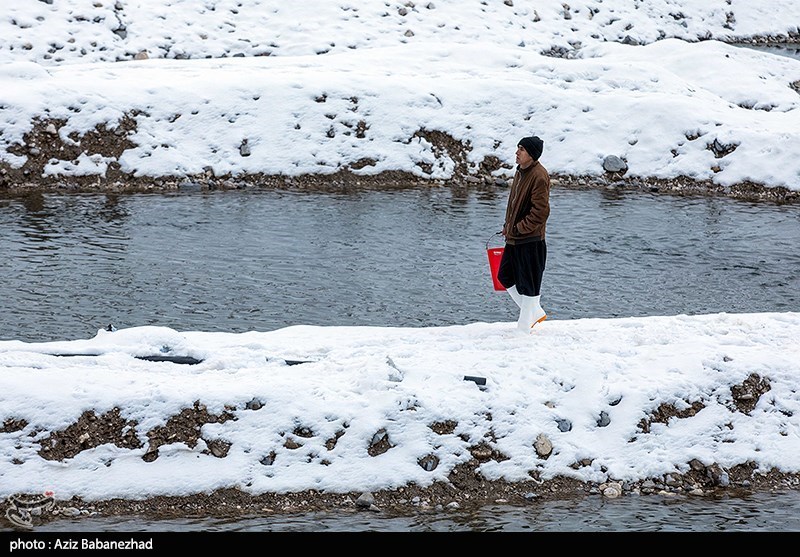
533 145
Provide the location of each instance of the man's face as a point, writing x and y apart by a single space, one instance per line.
523 158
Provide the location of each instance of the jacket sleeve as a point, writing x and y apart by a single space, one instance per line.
539 208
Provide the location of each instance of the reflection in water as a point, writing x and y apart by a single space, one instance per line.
260 260
788 50
36 219
761 512
113 209
33 202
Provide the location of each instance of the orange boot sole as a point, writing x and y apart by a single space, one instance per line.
542 318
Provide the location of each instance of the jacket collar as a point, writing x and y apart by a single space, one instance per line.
523 170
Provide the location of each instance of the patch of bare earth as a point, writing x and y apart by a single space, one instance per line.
43 144
464 489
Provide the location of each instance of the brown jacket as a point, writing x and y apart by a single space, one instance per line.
528 205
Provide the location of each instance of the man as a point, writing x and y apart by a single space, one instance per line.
522 265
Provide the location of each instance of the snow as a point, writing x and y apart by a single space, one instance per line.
346 88
353 385
345 82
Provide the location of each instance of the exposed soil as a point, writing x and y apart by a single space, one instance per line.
43 144
465 489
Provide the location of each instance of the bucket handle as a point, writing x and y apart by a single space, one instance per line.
492 236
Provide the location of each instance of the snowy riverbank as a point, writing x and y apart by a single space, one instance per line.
162 95
454 415
446 103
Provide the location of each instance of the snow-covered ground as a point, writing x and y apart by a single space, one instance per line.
321 87
340 409
66 31
362 86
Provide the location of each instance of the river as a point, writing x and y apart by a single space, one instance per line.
264 259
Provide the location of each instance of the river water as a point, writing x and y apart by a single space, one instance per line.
416 257
760 512
260 260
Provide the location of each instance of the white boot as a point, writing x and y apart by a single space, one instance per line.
539 314
530 313
515 295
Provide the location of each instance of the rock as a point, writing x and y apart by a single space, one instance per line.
379 436
380 443
292 445
604 420
429 462
543 446
564 425
721 149
481 452
648 486
254 404
611 489
219 448
696 465
613 163
141 55
718 475
365 500
244 148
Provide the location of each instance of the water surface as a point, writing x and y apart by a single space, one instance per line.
260 260
237 261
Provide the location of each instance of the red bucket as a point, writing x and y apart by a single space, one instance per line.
495 255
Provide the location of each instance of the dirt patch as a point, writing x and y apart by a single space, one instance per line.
466 488
44 145
665 412
346 180
746 395
185 428
11 425
87 432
